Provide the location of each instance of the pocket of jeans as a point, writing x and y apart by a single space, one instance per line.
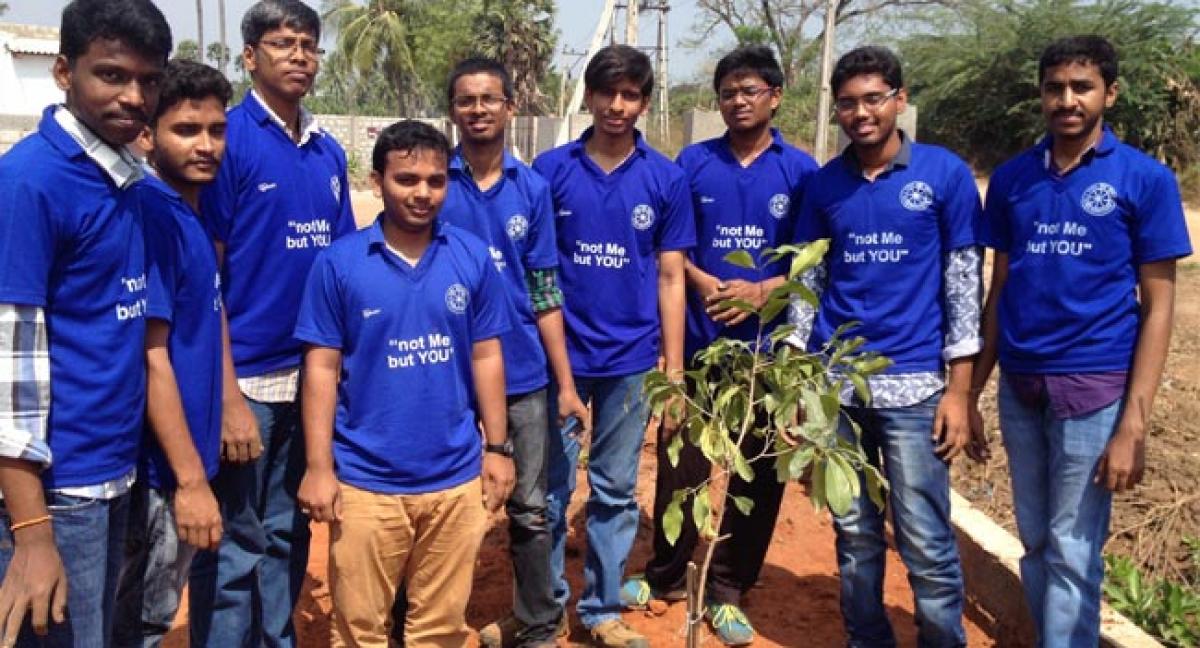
70 503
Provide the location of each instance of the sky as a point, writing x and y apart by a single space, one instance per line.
576 21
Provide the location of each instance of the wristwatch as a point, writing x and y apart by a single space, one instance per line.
505 449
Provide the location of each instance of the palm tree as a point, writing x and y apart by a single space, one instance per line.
520 34
378 36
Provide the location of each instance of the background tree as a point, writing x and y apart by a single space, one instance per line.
187 49
520 34
218 55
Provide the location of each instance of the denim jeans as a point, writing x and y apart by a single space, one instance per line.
243 593
156 567
619 416
1062 517
919 497
528 531
90 536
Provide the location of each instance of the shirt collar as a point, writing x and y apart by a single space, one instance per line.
1105 145
640 147
777 140
458 162
902 159
118 164
308 122
375 232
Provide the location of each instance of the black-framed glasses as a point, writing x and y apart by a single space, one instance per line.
491 102
307 46
872 102
749 92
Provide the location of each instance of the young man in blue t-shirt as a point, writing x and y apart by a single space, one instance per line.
1086 232
498 198
746 191
904 262
72 306
172 510
623 214
403 322
280 197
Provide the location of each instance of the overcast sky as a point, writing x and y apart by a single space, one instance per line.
576 22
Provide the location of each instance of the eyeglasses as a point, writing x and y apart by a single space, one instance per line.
490 102
749 92
872 102
287 45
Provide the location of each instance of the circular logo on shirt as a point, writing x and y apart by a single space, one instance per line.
457 298
517 226
916 196
779 205
1099 199
643 217
335 185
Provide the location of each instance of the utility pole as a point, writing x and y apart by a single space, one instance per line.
821 146
631 23
224 43
663 112
200 28
602 25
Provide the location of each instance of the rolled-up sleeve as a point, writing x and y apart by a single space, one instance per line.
24 384
963 302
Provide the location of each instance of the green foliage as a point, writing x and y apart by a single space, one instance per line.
735 383
1170 611
972 71
218 55
187 49
520 34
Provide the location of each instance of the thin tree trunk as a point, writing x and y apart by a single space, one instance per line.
224 43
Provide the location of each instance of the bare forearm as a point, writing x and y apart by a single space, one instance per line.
21 485
958 378
164 412
318 402
550 328
487 372
990 327
1154 338
671 300
230 392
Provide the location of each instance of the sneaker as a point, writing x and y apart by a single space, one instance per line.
615 633
729 623
636 593
506 633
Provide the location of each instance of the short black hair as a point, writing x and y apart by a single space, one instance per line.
757 59
869 59
266 15
1087 48
615 63
184 80
137 23
407 136
480 65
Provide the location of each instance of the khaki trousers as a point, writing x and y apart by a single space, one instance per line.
427 541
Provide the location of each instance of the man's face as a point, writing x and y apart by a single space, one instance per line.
189 141
413 188
866 108
746 100
1074 99
615 110
111 88
283 62
479 107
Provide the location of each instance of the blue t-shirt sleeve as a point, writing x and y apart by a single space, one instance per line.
995 229
542 244
961 212
491 310
164 261
810 222
1160 230
678 229
31 233
219 200
321 320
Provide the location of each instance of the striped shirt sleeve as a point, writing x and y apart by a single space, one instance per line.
24 383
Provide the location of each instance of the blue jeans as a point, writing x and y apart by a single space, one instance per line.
156 567
243 593
90 536
1062 517
618 426
919 497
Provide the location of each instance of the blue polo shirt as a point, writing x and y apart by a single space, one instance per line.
610 228
71 243
274 205
740 208
888 239
1074 244
183 288
405 421
515 219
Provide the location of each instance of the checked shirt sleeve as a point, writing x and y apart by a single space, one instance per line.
544 292
24 383
963 269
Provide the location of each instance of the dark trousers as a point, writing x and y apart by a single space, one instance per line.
737 559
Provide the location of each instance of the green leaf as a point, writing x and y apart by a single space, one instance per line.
702 512
808 257
740 465
773 308
672 520
673 449
744 504
741 259
817 484
738 304
837 487
860 388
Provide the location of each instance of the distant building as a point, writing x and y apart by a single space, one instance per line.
26 55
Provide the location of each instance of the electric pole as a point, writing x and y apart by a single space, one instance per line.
821 146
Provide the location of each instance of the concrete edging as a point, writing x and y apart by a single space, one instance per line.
990 560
